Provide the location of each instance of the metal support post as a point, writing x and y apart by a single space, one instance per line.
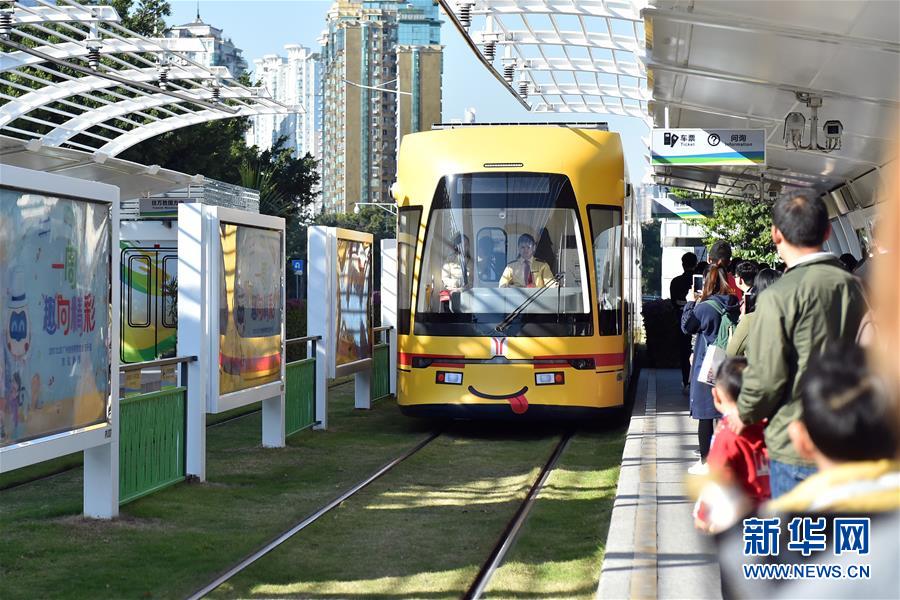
273 421
192 307
389 303
363 389
318 317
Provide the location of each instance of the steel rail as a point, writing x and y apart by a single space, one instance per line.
508 538
307 521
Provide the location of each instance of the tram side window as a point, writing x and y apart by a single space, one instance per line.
606 231
407 235
170 292
490 254
139 292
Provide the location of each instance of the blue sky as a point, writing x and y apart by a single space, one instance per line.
261 27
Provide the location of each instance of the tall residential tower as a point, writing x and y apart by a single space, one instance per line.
294 80
382 64
218 51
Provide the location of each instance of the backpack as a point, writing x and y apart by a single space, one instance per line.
715 352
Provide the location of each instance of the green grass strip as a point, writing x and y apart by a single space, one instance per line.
560 549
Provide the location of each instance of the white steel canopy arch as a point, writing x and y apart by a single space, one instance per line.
72 76
561 55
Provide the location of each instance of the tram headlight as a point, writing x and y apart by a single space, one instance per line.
551 378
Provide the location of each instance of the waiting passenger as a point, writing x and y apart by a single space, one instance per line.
704 318
737 345
815 304
848 427
738 464
526 271
745 275
678 291
720 255
850 262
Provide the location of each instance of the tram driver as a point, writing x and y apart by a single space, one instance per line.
456 273
527 271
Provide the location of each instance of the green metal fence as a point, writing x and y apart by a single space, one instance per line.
299 395
151 442
381 371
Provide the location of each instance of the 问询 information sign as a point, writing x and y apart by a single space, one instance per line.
708 147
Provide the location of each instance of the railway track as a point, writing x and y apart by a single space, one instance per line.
508 537
494 560
309 520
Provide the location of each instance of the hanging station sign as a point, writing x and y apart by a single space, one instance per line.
708 147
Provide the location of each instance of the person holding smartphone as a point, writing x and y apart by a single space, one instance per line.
737 345
703 317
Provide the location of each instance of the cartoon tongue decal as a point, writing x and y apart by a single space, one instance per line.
519 404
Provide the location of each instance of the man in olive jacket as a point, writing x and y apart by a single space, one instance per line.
814 304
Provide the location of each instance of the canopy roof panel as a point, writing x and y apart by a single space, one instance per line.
561 55
72 76
746 64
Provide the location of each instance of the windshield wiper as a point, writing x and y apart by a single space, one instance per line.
527 302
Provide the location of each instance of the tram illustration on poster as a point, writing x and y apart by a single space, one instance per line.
249 307
54 299
354 276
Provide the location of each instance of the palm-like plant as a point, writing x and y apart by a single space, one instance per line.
271 200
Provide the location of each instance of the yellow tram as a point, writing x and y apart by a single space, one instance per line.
517 275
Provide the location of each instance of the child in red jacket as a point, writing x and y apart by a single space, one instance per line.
738 464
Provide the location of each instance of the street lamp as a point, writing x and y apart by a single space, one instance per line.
391 208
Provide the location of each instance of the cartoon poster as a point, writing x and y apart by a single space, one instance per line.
354 265
250 312
54 306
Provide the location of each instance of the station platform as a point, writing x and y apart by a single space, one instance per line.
652 549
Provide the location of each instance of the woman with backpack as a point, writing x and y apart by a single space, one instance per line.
712 317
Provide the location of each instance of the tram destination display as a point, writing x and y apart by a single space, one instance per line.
250 310
54 301
354 282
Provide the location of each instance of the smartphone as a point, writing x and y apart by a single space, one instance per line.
749 303
698 283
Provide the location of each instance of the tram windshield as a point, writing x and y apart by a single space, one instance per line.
493 240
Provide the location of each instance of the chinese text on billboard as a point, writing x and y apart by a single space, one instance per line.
54 301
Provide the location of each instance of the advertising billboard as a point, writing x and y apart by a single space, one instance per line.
250 311
54 306
353 333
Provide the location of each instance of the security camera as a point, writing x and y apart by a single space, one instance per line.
833 130
794 124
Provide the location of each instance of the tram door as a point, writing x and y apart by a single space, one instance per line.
149 311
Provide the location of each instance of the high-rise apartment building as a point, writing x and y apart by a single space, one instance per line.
294 80
218 51
369 50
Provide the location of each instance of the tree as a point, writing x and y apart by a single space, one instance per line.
745 224
651 258
146 20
